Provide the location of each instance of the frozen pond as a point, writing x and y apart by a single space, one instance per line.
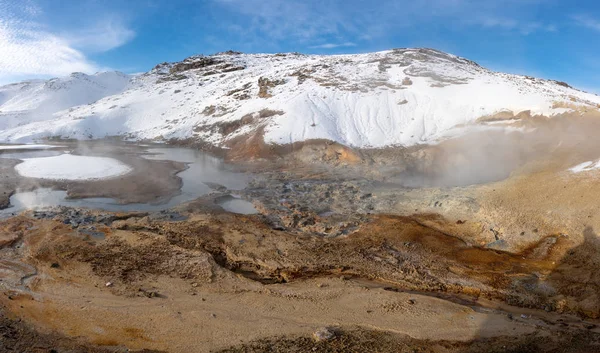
27 147
71 167
202 169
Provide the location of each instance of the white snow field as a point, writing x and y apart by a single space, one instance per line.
396 97
72 167
33 101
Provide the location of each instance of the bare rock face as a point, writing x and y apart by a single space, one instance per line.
195 63
264 84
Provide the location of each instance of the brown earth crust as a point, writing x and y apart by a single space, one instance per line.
18 336
382 250
357 340
153 284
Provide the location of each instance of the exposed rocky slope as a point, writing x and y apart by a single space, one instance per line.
397 97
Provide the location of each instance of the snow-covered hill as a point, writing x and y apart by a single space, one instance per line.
396 97
34 101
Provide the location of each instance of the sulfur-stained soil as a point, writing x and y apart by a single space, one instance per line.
219 280
340 245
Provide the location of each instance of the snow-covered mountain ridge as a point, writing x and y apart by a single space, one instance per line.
396 97
37 100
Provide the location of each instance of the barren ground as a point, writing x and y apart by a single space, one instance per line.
509 265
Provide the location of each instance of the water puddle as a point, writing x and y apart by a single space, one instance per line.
235 204
203 170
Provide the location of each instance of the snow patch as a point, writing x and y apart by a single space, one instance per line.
72 167
585 167
27 147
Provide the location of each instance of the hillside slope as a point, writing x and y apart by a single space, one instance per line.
36 100
397 97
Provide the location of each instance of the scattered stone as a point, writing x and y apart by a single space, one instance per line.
412 302
215 186
407 81
498 245
93 233
169 216
149 293
323 334
109 284
54 265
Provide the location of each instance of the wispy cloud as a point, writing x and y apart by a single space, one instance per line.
511 24
333 45
31 49
306 21
300 20
105 35
587 21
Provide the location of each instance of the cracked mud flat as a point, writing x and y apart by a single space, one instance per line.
496 267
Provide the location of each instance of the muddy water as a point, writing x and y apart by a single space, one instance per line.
203 170
235 204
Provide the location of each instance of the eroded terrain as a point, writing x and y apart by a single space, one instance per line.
341 257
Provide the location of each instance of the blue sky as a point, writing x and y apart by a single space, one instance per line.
556 39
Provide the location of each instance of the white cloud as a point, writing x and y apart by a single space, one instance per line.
333 45
31 50
587 21
104 36
28 51
511 24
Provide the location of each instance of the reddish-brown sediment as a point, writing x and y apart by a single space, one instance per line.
218 280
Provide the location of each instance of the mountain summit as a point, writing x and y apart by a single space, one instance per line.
396 97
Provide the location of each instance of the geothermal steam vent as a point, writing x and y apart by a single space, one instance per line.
72 167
